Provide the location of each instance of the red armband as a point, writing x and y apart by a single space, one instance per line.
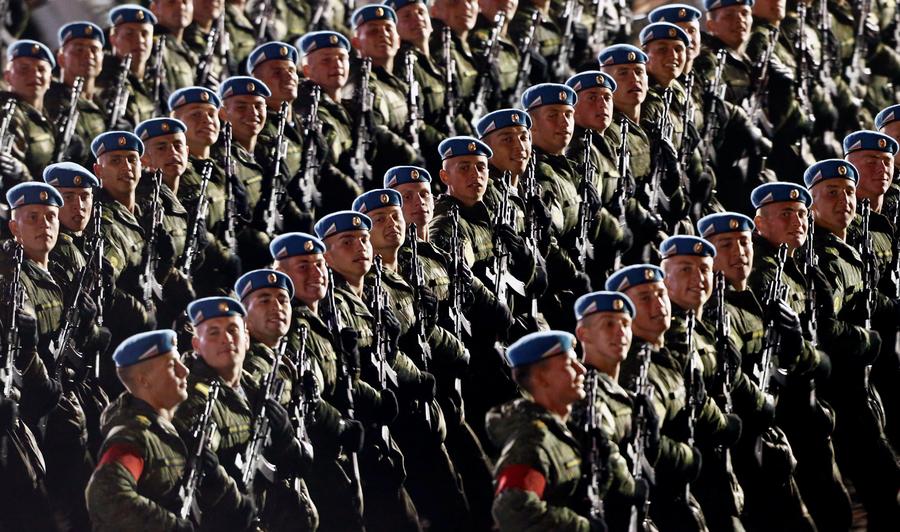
125 455
521 477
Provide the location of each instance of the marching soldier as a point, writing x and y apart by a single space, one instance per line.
143 460
538 474
208 22
80 54
241 34
457 18
30 137
172 20
505 63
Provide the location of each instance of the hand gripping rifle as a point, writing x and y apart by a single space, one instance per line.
149 283
459 320
451 91
193 235
637 521
560 66
412 101
870 280
687 146
693 384
380 341
857 71
623 184
810 262
271 215
119 101
724 371
772 342
204 65
65 129
526 46
598 454
498 271
416 276
230 236
193 471
755 103
157 75
583 244
665 129
362 170
15 301
309 166
481 96
714 94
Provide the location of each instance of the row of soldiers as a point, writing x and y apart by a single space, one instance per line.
212 223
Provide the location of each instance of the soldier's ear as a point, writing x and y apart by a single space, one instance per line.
305 69
13 225
195 343
222 112
580 333
444 176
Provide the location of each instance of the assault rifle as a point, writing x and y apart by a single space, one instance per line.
412 102
271 215
362 170
451 92
484 88
309 165
772 342
583 244
65 129
149 283
193 470
637 521
230 226
193 235
119 101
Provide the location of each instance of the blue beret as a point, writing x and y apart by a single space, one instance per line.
502 119
243 86
829 169
621 54
590 79
724 222
377 199
710 5
294 244
70 175
33 193
144 346
193 95
341 221
264 278
775 192
401 175
548 94
686 245
887 115
80 30
869 140
635 275
157 127
131 13
674 13
537 346
372 12
318 40
29 48
271 51
115 141
603 302
663 30
458 146
208 308
396 5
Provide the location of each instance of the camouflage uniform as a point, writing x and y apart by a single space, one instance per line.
141 104
33 139
91 121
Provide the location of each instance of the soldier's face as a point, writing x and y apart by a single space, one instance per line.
689 280
119 172
734 255
309 275
876 172
769 10
466 177
36 227
377 39
418 203
605 338
329 67
834 203
268 314
132 38
222 343
653 310
594 108
490 8
692 28
552 127
413 22
349 253
731 25
202 121
281 78
562 377
75 214
511 147
81 57
247 115
168 153
459 15
666 59
163 382
631 81
892 130
783 222
206 10
28 77
388 229
173 14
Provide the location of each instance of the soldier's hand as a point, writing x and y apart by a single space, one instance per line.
387 408
696 464
28 331
598 524
873 349
651 420
541 213
426 388
9 414
514 243
311 393
351 435
76 150
429 307
593 197
87 311
12 169
392 328
730 433
279 421
165 250
349 345
788 324
183 525
468 279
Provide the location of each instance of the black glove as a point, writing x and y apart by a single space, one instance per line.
541 213
165 251
693 471
28 332
177 292
871 354
515 244
468 280
426 388
12 169
593 196
387 408
580 283
76 150
209 464
428 307
789 327
349 346
241 202
651 419
9 415
731 433
391 329
624 244
351 435
310 387
183 525
279 423
87 311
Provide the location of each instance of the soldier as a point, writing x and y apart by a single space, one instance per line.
604 330
208 22
772 497
539 471
180 61
863 451
504 63
241 34
131 33
432 479
547 36
76 185
29 145
143 460
459 19
887 122
80 55
349 253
